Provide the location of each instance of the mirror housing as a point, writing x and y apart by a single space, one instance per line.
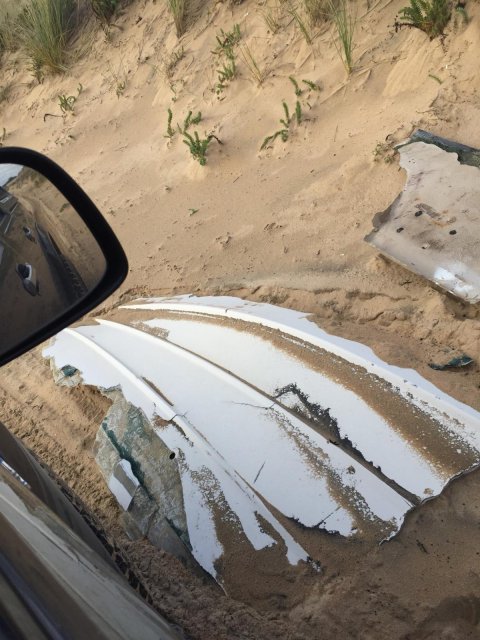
106 272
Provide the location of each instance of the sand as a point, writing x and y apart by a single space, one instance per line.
283 225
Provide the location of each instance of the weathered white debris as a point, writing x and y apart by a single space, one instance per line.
263 413
433 228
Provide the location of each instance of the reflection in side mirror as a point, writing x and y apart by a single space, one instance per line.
49 259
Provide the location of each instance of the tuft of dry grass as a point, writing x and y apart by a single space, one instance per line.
257 72
272 15
345 21
319 11
178 9
170 63
9 11
104 11
43 30
301 20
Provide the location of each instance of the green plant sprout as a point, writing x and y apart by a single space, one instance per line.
286 121
227 72
430 16
227 40
189 120
170 130
173 89
67 103
120 88
436 78
311 85
298 91
198 146
298 112
283 133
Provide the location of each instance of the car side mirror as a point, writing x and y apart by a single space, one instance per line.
58 256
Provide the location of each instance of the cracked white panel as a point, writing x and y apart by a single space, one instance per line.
301 474
204 473
412 466
206 480
236 421
433 227
264 365
410 384
101 370
206 547
237 449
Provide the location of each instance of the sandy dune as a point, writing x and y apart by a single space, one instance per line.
282 225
